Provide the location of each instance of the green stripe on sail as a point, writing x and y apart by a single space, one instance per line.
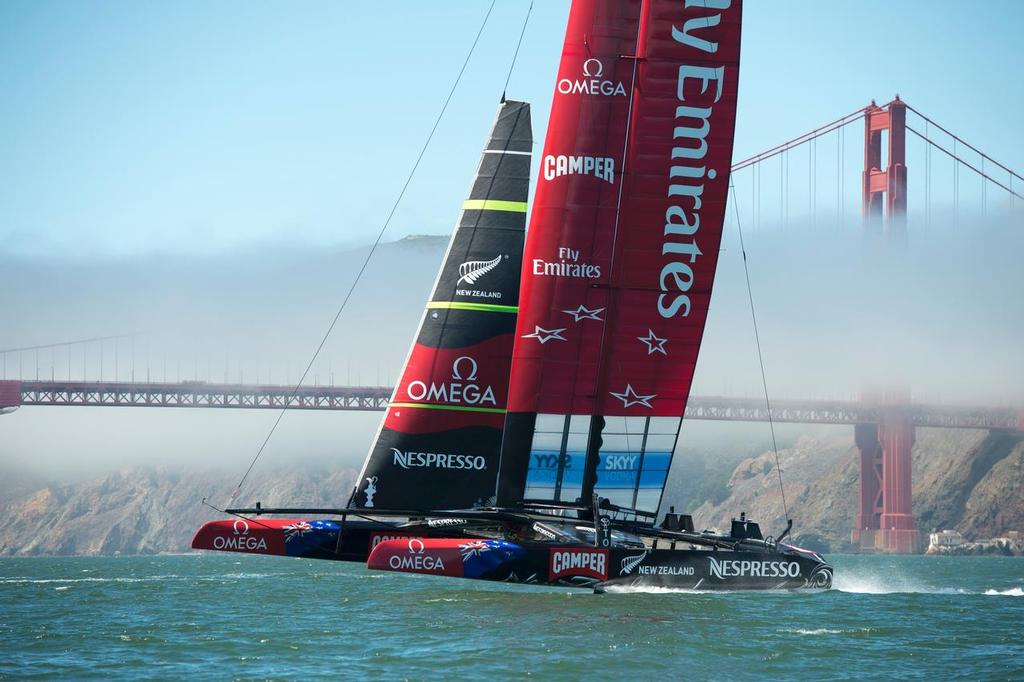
452 408
480 307
494 205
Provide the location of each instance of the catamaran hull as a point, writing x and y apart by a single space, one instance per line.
589 567
702 570
304 538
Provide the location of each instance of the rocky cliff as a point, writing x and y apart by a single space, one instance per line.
145 511
969 480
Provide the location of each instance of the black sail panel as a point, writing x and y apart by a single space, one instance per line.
438 444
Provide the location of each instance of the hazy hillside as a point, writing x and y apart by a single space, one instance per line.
969 480
88 480
145 511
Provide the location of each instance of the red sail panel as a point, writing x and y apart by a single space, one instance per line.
623 241
567 262
674 202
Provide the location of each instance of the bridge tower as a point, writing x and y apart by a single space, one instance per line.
885 188
885 519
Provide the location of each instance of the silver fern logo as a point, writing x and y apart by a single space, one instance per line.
473 270
630 563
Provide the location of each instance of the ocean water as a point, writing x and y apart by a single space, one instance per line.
219 616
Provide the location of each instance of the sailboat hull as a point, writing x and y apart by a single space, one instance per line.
421 547
784 568
351 540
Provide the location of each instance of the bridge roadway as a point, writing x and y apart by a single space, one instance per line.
369 398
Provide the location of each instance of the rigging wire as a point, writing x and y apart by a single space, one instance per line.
369 255
515 56
760 356
65 343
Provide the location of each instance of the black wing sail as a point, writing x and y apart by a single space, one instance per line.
438 444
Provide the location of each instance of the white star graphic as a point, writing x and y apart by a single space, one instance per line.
629 397
584 313
654 344
545 335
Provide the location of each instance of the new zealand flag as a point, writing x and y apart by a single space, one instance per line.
302 536
483 556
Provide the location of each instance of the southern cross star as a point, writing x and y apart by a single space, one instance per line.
629 397
654 344
545 335
584 313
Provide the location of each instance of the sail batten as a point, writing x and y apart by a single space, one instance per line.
622 249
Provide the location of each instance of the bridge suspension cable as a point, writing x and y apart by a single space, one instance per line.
832 126
966 144
980 171
62 344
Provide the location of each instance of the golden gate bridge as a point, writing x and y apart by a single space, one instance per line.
884 423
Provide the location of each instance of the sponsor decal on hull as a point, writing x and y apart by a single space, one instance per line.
744 568
578 561
240 540
442 523
457 557
627 565
416 560
377 538
666 570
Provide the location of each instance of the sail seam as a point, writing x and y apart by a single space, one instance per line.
479 307
494 205
452 408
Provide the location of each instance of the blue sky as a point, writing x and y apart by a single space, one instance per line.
130 129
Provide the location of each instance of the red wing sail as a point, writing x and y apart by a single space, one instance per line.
439 443
621 252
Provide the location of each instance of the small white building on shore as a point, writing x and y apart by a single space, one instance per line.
945 539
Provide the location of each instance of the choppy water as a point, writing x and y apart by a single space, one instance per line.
222 617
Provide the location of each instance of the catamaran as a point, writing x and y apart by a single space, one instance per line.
531 434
